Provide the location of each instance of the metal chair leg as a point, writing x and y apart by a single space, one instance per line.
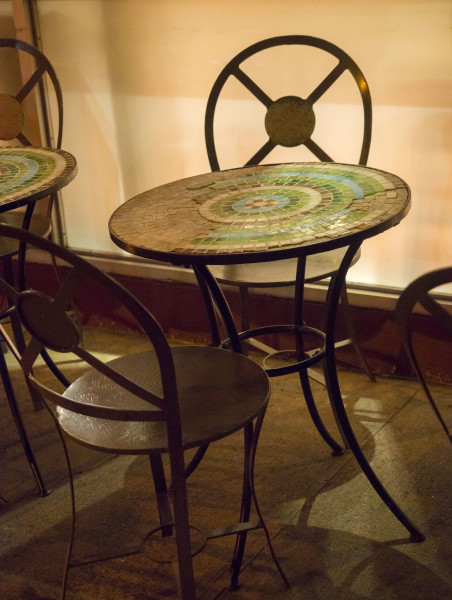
43 490
161 493
354 338
251 437
70 545
194 462
244 511
55 370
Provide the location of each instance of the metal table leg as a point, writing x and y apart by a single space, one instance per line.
213 295
337 404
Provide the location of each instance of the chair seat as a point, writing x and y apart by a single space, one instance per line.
280 273
219 391
40 225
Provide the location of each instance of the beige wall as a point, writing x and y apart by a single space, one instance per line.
136 75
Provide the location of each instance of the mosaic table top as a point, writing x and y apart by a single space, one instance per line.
232 216
28 174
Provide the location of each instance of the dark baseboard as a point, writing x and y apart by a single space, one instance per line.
180 311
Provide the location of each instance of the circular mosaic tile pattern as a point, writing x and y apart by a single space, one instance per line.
260 208
263 205
27 173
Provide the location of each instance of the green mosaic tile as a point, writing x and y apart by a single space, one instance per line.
27 173
258 208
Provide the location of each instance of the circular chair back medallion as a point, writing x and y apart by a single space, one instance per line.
12 117
290 121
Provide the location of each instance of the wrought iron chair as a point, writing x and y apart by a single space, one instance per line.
419 292
164 400
289 122
15 129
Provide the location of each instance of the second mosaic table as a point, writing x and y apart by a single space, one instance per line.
265 213
28 174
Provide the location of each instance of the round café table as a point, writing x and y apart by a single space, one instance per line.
269 213
28 174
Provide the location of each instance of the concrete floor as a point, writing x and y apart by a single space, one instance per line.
334 536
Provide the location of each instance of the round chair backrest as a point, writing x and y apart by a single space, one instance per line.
46 315
289 120
422 291
13 115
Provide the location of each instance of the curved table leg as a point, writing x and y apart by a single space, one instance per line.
213 295
338 405
314 413
300 351
216 341
209 306
194 462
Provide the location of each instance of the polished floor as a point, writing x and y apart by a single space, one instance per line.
334 536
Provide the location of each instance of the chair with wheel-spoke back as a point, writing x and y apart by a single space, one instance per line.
29 82
164 400
290 122
421 292
20 121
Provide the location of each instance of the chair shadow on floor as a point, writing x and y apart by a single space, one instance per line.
321 562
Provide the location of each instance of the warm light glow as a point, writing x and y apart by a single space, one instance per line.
136 76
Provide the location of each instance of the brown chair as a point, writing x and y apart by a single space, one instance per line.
289 122
420 292
164 400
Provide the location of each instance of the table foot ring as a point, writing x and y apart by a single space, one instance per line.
162 549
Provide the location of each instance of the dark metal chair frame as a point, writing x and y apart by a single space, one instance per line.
419 292
160 401
39 224
289 122
35 223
